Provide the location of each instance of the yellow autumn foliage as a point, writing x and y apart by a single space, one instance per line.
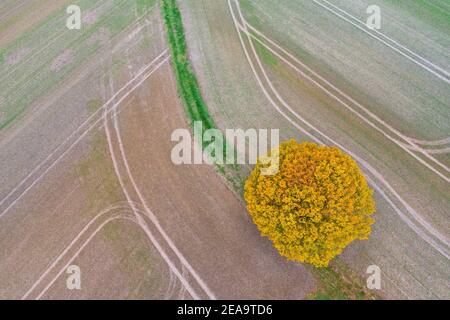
316 205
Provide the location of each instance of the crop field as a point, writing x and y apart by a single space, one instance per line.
281 65
88 118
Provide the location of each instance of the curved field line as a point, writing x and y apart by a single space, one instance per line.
80 250
110 210
437 74
439 69
143 73
400 144
153 218
140 220
443 150
432 143
442 249
439 151
411 141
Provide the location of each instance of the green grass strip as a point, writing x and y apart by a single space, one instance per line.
188 87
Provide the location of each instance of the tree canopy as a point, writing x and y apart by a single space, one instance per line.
316 205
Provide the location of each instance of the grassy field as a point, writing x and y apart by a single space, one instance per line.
44 56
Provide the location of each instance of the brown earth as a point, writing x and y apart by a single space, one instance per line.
205 220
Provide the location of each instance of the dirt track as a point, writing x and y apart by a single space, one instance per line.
205 220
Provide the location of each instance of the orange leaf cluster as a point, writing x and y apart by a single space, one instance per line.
316 205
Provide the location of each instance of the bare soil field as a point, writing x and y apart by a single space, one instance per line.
116 264
205 220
